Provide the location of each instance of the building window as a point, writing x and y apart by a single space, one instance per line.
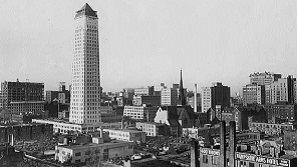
88 152
77 161
251 164
214 160
77 154
205 159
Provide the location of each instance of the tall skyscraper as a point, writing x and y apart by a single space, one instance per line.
85 85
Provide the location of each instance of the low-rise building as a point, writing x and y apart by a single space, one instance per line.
270 129
152 128
25 132
64 127
140 113
92 152
282 111
290 140
126 135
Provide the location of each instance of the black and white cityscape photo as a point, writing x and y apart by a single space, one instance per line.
148 83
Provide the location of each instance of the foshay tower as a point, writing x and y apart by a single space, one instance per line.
85 88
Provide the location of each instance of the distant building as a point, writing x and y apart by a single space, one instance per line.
22 97
231 114
148 100
205 99
126 135
253 94
51 95
270 128
141 113
65 127
152 128
265 78
281 91
281 111
144 91
176 117
191 101
220 95
169 97
151 100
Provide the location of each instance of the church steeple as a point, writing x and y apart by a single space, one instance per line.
182 98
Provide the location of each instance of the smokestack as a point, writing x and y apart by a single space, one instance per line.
223 144
195 99
194 153
11 139
232 143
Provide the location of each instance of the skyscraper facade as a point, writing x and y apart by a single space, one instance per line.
22 97
85 86
205 99
220 95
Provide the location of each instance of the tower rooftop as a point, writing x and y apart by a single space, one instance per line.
86 10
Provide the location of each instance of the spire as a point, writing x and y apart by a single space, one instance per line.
182 98
86 10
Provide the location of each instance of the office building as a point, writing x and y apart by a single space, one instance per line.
281 111
253 94
265 78
126 135
152 128
281 91
85 84
169 97
205 99
144 91
92 153
220 95
65 127
140 113
270 128
22 97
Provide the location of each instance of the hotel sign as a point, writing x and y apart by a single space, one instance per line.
263 160
209 151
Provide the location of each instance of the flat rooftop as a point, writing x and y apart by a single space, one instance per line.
19 124
111 143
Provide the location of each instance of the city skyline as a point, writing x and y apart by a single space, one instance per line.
147 42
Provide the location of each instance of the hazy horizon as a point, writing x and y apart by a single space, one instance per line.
146 42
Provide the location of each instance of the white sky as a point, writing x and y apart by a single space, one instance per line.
145 42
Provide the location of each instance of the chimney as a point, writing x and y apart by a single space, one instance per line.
232 143
194 153
195 99
223 144
11 139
